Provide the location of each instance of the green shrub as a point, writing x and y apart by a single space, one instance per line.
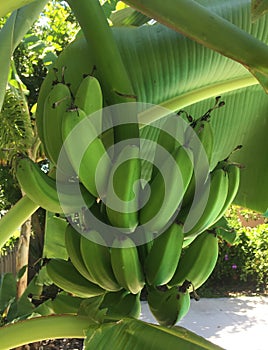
246 261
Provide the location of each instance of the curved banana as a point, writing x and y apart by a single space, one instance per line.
233 172
170 137
122 304
168 306
167 190
57 102
122 198
97 259
163 258
126 264
198 261
89 96
66 277
86 151
216 198
42 189
72 244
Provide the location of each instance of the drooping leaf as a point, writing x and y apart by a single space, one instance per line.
8 290
132 334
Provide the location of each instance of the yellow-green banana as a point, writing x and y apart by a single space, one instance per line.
42 189
168 306
97 259
57 102
86 151
66 277
218 189
121 304
167 190
198 261
163 258
122 198
145 248
72 244
126 264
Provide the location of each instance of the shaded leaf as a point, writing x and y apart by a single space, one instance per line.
54 245
8 290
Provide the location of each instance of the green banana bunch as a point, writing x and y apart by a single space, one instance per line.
65 276
210 209
163 258
167 190
168 306
72 244
126 264
42 189
122 198
86 151
56 103
122 304
97 259
198 261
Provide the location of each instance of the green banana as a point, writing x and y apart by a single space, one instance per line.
86 151
97 259
72 244
122 198
122 304
145 248
170 137
168 306
163 258
43 190
57 102
210 209
233 172
167 190
126 264
89 95
65 276
198 261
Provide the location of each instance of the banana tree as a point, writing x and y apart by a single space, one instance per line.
177 55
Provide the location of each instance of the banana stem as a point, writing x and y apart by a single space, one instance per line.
210 30
42 328
109 65
15 217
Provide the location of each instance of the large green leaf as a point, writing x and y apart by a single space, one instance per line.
13 31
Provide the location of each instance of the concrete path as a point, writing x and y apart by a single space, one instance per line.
232 323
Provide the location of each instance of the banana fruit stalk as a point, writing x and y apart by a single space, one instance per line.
197 262
42 189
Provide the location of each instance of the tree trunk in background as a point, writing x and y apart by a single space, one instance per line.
23 255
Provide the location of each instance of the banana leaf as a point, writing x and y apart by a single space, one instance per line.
16 26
